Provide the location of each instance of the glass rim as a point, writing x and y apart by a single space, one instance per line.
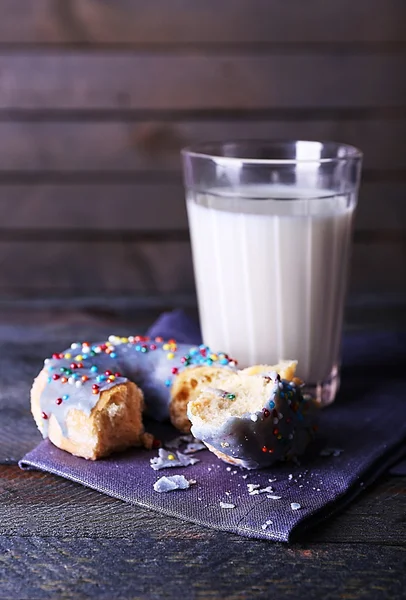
211 150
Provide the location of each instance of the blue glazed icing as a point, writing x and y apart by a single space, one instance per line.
280 431
72 375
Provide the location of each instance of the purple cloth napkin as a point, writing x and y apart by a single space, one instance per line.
361 435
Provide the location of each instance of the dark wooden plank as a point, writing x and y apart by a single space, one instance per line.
86 267
141 146
204 21
160 564
39 80
154 207
97 207
32 499
71 268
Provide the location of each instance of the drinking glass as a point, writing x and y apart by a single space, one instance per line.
271 226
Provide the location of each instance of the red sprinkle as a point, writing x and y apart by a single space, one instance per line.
108 373
58 401
55 356
175 371
55 376
117 374
73 366
44 415
270 450
275 431
95 386
79 365
264 449
266 413
159 340
156 443
152 347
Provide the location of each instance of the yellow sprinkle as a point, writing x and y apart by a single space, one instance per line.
112 377
165 347
170 355
109 344
171 456
214 356
79 357
68 355
124 340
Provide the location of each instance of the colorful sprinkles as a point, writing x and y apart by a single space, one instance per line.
85 368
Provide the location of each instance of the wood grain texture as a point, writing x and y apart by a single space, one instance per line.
159 566
156 207
72 268
58 539
30 498
52 80
91 265
122 146
160 22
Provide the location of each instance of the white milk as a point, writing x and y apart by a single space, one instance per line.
271 275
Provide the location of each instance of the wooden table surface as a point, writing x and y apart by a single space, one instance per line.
61 540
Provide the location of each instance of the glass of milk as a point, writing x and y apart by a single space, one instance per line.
270 226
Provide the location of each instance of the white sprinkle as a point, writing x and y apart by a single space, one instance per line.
290 477
75 346
295 505
175 482
272 497
252 487
46 361
228 468
78 383
244 476
254 417
272 480
226 505
266 490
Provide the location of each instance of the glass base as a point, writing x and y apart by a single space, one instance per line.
325 391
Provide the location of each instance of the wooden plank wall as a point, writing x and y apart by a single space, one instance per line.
97 97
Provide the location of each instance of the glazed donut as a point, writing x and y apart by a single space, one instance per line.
88 399
253 420
189 383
